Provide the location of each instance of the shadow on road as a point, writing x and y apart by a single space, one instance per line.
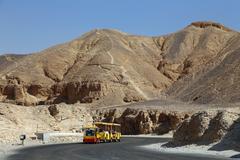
31 150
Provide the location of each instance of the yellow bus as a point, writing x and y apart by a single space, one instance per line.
102 132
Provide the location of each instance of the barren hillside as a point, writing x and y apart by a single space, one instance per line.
107 67
16 120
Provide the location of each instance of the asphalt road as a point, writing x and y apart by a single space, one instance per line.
125 150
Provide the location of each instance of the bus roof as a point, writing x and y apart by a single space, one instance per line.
89 127
107 124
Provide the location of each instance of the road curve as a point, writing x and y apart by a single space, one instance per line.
125 150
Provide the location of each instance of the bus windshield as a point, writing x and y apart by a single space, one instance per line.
90 133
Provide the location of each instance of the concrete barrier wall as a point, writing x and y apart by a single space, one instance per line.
47 136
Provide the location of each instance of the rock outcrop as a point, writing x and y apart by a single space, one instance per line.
205 127
142 121
210 24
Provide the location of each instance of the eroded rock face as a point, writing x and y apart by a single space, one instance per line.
204 127
16 93
86 92
140 121
72 92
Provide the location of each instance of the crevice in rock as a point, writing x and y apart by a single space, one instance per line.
47 74
69 68
160 42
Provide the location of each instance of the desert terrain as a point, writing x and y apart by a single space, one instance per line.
185 82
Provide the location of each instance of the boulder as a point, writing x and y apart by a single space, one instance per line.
204 127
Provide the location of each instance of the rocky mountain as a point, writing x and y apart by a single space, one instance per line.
107 67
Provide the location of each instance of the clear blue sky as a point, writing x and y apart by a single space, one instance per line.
31 25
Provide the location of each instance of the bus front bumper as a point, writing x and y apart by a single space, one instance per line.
90 140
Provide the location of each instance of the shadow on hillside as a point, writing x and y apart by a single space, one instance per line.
27 153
